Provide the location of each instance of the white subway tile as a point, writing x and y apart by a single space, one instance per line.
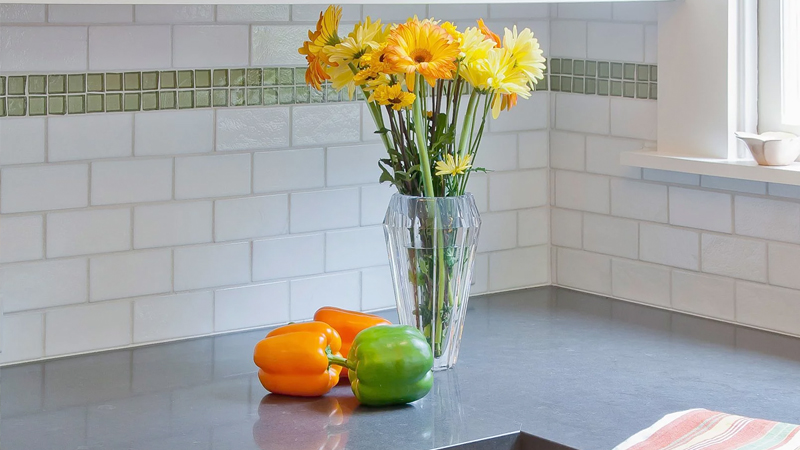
498 231
25 189
172 224
210 45
173 316
567 151
21 238
88 137
251 217
212 176
342 290
700 209
734 257
568 38
355 249
288 170
174 132
783 263
23 140
530 114
519 267
567 228
517 190
324 210
252 128
85 232
43 284
131 181
290 256
642 282
645 201
394 13
666 176
517 10
21 13
251 306
636 12
90 14
616 41
377 290
212 265
23 337
582 191
533 227
174 13
374 201
768 307
534 149
356 164
254 13
134 47
310 13
671 246
457 11
584 11
276 45
633 118
585 113
768 219
480 274
582 270
651 44
478 186
496 152
610 235
603 153
130 274
703 294
732 184
52 48
86 328
368 127
326 124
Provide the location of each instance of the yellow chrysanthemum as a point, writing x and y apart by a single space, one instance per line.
346 55
525 50
474 45
453 166
324 35
392 95
424 48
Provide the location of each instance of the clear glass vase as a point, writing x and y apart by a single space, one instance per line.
432 243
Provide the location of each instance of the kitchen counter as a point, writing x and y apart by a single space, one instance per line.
576 369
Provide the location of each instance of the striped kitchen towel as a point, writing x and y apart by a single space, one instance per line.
701 429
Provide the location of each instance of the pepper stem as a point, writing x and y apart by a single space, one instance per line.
340 361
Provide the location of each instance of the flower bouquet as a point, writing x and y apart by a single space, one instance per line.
429 88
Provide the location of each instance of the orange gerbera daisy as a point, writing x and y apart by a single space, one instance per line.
490 35
422 47
324 35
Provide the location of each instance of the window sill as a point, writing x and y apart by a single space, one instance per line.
726 168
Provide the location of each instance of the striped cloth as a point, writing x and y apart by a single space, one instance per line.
701 429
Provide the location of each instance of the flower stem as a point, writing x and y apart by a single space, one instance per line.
466 127
422 145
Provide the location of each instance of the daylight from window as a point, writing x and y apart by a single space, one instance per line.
791 61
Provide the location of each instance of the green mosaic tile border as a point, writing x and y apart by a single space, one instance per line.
88 93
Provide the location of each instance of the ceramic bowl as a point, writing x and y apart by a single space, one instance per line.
772 148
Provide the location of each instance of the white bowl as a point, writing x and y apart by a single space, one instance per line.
772 148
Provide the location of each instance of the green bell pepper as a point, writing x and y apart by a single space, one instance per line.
389 365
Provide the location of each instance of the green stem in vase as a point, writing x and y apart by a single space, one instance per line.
422 144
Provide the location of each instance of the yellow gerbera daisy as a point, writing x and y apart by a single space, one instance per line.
453 165
371 77
497 73
365 37
474 45
452 30
424 48
392 95
525 50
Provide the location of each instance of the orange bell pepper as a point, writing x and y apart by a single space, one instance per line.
348 324
293 360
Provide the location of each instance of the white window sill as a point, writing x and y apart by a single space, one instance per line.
726 168
313 2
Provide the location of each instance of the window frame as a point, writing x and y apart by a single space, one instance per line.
771 89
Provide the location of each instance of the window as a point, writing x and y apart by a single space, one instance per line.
779 66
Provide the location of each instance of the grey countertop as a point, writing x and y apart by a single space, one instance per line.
573 368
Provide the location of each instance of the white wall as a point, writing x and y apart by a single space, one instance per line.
121 229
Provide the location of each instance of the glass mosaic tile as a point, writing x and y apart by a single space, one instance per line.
132 101
286 95
2 107
149 101
616 70
642 73
602 87
286 76
591 68
95 103
542 85
76 83
167 100
270 76
254 97
76 104
16 86
579 68
37 84
17 106
185 79
603 69
629 71
303 94
616 88
133 81
566 67
577 85
185 99
202 78
555 83
113 102
591 86
555 66
629 89
113 82
37 106
57 104
237 97
202 98
317 96
56 84
149 81
2 85
220 78
300 76
270 96
642 90
653 73
95 82
566 84
653 91
237 77
169 79
254 77
220 97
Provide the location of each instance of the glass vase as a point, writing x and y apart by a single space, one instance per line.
432 243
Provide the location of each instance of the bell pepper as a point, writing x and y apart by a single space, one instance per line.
293 360
389 365
348 324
